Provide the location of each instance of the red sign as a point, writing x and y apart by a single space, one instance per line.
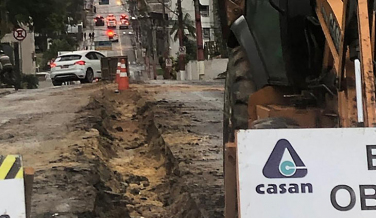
19 34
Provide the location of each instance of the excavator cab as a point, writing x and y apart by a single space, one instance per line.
296 64
288 39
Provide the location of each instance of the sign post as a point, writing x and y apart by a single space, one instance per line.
168 62
19 34
307 173
182 50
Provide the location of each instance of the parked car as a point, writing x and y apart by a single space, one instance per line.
83 66
99 20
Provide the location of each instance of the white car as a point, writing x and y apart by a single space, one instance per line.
78 65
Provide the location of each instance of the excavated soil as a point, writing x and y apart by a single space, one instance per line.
136 168
116 155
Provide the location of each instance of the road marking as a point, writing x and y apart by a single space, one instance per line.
121 45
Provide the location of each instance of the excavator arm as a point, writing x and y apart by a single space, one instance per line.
349 29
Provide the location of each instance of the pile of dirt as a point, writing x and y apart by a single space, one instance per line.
134 170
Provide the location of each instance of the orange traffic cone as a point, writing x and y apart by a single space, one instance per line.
123 79
118 72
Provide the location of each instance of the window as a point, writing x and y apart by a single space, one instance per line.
91 56
99 55
206 33
204 10
68 58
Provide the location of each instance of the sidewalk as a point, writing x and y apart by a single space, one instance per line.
89 29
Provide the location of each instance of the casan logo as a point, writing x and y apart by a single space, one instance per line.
284 162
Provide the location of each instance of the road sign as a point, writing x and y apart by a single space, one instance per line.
307 173
12 185
182 50
19 34
168 62
103 45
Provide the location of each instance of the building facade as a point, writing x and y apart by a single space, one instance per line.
26 51
207 20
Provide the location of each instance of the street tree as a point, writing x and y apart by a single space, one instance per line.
188 24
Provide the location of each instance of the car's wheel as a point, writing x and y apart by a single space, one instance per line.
89 76
56 83
239 86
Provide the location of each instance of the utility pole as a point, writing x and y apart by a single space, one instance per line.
200 46
165 36
166 41
3 19
155 56
181 42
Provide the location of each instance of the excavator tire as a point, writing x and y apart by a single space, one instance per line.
238 87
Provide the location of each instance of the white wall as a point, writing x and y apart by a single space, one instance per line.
27 51
212 69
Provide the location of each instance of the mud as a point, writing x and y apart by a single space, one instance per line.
190 121
101 154
141 170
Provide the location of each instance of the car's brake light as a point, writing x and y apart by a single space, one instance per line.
52 65
80 62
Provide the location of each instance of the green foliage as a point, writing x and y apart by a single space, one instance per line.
63 44
43 16
29 81
191 46
188 24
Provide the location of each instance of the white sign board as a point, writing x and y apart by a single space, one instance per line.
12 186
310 173
168 62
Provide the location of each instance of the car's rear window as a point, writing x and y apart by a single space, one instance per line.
68 58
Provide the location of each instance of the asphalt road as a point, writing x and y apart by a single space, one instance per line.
124 46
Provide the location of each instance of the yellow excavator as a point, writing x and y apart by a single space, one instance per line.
296 64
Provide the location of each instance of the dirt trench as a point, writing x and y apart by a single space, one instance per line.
132 170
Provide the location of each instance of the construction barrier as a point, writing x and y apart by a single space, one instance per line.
118 72
109 67
12 186
123 83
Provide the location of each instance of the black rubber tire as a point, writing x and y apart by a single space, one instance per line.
275 123
239 86
89 76
56 83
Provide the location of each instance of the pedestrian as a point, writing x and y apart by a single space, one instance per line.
90 35
85 36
